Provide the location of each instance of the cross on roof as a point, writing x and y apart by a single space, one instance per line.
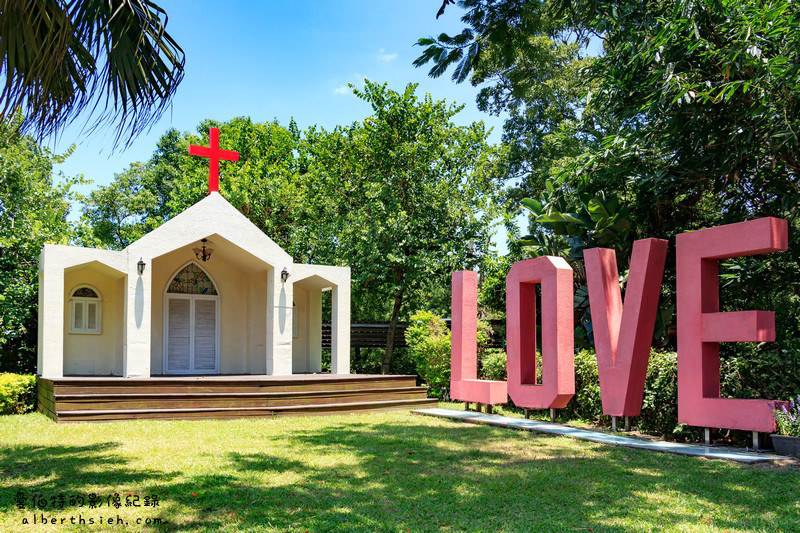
214 154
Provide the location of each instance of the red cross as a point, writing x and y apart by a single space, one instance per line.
214 154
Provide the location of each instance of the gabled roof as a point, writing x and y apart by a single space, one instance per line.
211 215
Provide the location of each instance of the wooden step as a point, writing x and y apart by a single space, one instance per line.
96 401
228 396
225 384
239 412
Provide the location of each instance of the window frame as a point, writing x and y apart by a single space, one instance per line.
84 301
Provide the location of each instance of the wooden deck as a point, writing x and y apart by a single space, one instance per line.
77 399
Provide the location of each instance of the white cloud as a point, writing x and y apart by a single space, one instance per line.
385 56
341 89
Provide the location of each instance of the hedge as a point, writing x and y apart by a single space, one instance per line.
659 406
17 393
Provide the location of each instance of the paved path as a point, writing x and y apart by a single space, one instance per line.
711 452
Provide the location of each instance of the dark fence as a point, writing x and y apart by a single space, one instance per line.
373 334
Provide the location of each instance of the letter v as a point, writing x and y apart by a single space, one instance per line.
623 338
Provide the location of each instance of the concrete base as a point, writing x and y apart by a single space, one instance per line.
730 454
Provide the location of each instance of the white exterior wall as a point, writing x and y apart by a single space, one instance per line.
340 330
300 355
53 262
138 321
215 216
95 354
338 280
257 321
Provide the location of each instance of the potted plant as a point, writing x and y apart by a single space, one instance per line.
787 418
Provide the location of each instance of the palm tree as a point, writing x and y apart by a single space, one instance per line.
113 58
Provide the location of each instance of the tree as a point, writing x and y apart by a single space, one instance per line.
528 65
33 211
261 185
696 109
62 57
404 197
116 214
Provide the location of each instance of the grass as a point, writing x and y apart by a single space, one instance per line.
383 471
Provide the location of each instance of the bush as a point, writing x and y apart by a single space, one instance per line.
428 342
660 403
17 393
493 364
586 403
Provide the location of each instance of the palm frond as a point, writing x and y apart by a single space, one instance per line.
112 58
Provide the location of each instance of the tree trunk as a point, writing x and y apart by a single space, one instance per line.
387 357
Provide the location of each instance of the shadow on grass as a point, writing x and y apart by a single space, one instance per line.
416 475
51 471
420 477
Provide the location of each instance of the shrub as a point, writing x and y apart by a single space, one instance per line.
428 342
586 403
483 335
755 370
493 364
17 393
660 403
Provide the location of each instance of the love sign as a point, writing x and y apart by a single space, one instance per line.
622 334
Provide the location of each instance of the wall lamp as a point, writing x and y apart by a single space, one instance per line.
140 266
284 275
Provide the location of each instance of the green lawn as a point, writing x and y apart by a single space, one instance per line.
384 471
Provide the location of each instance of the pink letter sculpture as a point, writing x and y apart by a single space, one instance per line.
701 326
464 383
623 338
558 358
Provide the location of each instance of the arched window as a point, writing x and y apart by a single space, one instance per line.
192 280
85 311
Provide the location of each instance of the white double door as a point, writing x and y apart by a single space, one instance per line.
191 331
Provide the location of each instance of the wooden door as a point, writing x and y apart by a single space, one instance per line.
192 335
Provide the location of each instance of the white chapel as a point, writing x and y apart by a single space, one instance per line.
206 293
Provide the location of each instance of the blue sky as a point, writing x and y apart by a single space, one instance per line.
277 60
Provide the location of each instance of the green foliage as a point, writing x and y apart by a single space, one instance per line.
528 69
660 402
61 58
115 213
659 413
33 211
586 403
483 335
684 115
492 287
404 198
428 342
17 394
493 364
599 222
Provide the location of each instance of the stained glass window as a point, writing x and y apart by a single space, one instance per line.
84 292
192 280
